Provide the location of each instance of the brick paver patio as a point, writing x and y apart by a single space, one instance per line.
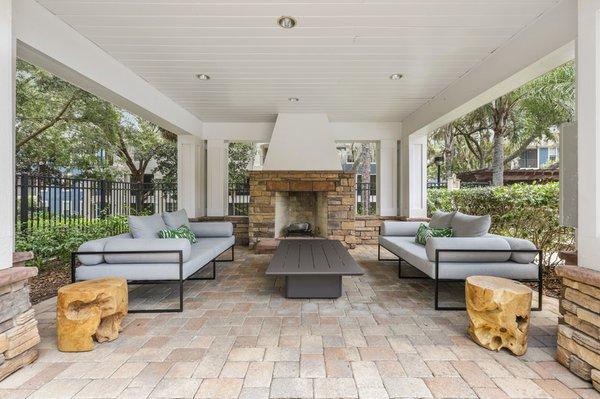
239 338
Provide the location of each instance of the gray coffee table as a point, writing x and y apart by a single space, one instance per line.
313 268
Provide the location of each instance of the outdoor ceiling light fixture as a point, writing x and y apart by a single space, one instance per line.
293 99
202 76
286 22
396 76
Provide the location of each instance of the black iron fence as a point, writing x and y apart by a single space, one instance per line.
366 199
49 201
238 198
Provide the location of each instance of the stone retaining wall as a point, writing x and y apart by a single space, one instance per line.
578 341
18 327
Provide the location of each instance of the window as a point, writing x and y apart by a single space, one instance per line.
361 158
529 159
552 155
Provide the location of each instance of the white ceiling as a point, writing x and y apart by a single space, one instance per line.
337 60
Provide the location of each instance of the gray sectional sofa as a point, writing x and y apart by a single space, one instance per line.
141 257
447 259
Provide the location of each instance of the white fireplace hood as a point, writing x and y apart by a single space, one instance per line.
302 142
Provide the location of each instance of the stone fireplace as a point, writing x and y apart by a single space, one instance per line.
325 199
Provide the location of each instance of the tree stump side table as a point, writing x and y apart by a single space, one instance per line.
499 312
90 309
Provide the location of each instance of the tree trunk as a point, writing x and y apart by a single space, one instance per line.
448 150
500 112
364 168
498 161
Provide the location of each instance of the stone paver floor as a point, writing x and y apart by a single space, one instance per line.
239 338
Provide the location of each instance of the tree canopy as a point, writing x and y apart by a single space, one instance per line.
62 129
497 133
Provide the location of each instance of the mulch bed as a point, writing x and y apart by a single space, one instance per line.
48 281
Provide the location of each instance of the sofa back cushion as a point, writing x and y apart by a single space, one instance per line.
175 220
441 220
212 229
468 244
399 229
470 226
142 245
146 226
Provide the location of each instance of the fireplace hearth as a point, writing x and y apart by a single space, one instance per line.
323 199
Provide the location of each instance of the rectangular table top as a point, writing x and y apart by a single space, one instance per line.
313 257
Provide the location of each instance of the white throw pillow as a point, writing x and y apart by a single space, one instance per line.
146 226
470 226
176 219
441 220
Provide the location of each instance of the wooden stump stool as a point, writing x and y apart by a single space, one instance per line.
499 311
90 309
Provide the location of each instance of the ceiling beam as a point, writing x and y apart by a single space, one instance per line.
546 43
48 42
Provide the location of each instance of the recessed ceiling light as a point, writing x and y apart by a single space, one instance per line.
202 76
396 76
286 22
293 99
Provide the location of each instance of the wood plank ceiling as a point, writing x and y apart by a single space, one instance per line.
337 59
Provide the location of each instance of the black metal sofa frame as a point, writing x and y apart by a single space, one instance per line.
437 280
179 281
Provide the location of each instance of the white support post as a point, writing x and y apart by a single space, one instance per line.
191 180
387 178
7 133
216 177
413 159
588 122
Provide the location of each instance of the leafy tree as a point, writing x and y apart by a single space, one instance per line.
61 128
241 155
497 133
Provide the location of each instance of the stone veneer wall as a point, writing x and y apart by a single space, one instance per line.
19 334
340 189
578 340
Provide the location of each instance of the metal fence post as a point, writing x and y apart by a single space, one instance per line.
103 184
24 205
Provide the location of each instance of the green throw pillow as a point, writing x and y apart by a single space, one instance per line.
424 232
180 232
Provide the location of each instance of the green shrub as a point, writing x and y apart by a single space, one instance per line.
519 210
54 243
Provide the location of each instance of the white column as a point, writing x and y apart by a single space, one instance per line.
191 181
7 134
387 178
588 122
413 160
216 177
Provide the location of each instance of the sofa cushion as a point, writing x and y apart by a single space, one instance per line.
176 219
462 270
212 229
146 244
441 220
470 226
146 226
468 244
400 229
406 248
425 232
